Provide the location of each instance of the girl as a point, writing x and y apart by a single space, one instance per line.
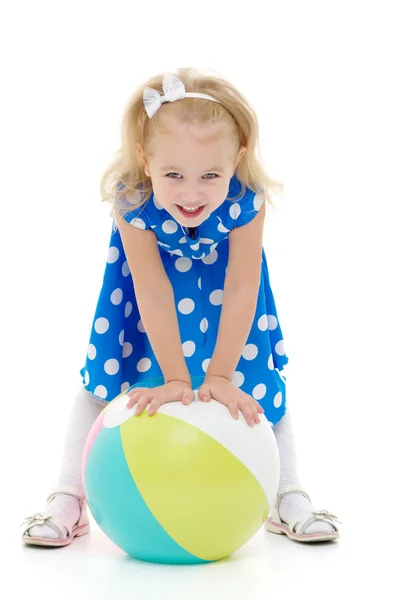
186 290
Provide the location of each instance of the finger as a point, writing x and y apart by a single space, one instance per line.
257 410
141 405
131 402
187 398
256 416
133 398
205 395
255 404
154 406
247 413
232 405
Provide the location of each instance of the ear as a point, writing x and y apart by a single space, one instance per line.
141 155
239 155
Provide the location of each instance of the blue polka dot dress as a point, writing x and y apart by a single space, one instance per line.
119 353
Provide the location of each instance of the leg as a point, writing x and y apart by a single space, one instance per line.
287 453
85 410
293 503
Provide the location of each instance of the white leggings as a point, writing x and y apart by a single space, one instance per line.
86 408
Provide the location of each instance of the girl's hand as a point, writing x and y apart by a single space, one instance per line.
222 390
173 391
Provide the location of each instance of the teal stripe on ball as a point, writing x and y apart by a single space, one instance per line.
119 509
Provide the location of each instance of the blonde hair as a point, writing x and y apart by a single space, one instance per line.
126 172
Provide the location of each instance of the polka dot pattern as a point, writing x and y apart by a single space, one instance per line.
119 352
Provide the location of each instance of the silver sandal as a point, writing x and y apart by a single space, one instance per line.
65 535
274 524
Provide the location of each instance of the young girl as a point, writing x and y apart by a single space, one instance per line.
186 290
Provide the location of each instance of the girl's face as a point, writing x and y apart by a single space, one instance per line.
190 169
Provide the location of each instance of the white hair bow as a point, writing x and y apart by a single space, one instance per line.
173 88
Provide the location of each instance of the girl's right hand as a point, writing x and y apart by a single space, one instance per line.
173 391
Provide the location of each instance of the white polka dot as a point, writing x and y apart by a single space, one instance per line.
212 248
199 257
164 245
138 223
116 296
125 269
111 366
271 362
199 282
272 322
186 306
278 400
113 254
211 258
279 348
101 391
195 246
205 363
127 350
143 365
140 326
121 337
101 325
222 228
238 378
183 240
92 351
203 325
128 309
206 241
250 351
124 387
216 297
258 201
183 264
262 322
169 226
157 204
87 378
188 348
259 391
177 252
235 210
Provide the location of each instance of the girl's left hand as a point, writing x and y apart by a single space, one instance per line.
221 389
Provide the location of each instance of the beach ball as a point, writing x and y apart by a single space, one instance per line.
189 484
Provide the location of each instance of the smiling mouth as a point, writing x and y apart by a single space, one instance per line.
190 212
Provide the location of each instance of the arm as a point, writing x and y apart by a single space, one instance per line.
155 299
240 296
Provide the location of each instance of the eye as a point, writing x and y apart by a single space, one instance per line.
215 175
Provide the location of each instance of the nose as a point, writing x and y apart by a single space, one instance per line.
191 197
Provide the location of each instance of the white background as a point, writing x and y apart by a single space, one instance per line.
323 77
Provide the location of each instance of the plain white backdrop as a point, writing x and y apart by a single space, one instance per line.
323 77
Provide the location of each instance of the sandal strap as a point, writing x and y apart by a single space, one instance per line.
51 520
288 488
67 488
302 519
48 519
318 515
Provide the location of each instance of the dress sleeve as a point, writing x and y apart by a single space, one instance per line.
243 211
136 215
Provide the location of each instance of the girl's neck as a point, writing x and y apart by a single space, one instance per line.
192 232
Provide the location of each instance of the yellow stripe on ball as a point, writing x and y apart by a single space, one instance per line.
206 499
